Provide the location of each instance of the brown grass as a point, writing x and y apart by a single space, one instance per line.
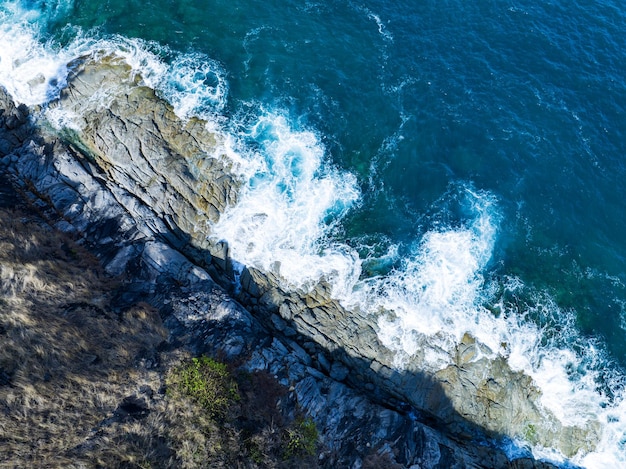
83 385
66 360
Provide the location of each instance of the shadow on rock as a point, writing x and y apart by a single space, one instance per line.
146 220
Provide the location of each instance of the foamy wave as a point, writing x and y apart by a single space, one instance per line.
611 452
290 204
571 371
437 295
192 83
436 288
286 210
29 70
382 29
34 71
195 85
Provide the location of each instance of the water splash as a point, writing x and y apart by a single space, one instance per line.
290 203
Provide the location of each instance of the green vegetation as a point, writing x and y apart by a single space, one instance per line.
530 433
81 377
232 419
207 382
301 438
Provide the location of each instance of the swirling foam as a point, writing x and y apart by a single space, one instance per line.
291 203
287 207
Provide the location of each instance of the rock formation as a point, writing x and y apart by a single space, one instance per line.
142 188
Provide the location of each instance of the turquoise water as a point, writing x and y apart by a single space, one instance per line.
474 150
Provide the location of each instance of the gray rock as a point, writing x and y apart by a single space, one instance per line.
338 371
144 187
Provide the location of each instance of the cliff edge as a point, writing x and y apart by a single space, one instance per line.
139 189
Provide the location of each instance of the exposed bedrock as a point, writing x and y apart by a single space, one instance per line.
144 187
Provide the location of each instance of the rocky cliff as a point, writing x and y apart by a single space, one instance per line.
142 189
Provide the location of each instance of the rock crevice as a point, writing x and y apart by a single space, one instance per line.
143 187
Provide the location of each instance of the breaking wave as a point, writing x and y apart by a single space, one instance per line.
288 221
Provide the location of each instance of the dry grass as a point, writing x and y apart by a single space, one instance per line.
66 361
83 385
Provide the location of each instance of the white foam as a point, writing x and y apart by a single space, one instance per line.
290 205
283 222
382 29
611 451
426 306
30 71
437 287
286 210
34 72
195 85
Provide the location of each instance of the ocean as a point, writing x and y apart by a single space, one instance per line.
449 167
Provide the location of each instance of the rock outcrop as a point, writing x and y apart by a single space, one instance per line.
143 188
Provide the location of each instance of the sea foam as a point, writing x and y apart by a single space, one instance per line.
29 70
292 203
34 71
291 198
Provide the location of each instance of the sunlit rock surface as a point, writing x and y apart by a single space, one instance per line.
143 187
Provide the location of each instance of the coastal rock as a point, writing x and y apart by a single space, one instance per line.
139 146
469 398
144 187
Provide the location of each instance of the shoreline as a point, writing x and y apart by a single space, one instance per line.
144 223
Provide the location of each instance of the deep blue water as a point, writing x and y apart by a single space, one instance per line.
524 99
423 102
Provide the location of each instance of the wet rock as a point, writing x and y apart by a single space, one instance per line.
143 187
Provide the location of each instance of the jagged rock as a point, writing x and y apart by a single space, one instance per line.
143 188
146 149
13 119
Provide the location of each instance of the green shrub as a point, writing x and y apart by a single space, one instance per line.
255 452
207 382
301 439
